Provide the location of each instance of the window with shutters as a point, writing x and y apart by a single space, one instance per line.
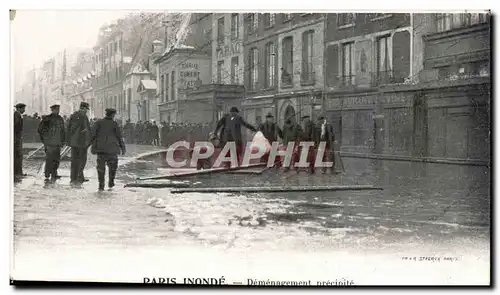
384 73
252 22
308 75
270 65
269 20
165 84
220 31
450 21
332 65
235 70
235 26
348 63
220 67
287 17
173 85
162 88
346 19
287 62
253 62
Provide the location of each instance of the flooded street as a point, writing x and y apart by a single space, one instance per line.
430 210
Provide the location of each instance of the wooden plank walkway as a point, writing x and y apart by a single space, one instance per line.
202 172
275 189
158 185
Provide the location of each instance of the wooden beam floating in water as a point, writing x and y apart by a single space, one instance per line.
158 185
201 172
275 189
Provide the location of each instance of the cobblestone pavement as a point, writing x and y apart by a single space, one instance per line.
425 208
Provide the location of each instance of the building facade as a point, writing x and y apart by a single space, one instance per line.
383 90
110 60
182 67
179 71
283 65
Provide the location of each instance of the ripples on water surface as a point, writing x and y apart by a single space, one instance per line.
423 209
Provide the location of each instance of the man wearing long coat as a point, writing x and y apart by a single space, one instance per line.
18 141
52 133
107 143
323 132
308 135
231 130
78 138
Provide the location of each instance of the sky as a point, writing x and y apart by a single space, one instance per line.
37 35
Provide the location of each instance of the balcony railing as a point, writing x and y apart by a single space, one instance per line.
286 79
308 78
386 77
347 80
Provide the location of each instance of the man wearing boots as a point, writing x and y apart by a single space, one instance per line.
78 138
107 143
52 134
18 141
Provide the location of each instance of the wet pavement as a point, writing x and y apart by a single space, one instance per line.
425 209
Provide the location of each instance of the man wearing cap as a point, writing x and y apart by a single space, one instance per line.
18 141
53 136
107 143
231 130
78 138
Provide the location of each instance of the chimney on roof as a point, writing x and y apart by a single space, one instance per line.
156 51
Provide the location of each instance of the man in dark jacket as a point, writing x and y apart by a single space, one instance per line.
127 131
18 141
154 134
308 136
231 130
324 133
52 134
139 129
78 138
270 129
291 133
107 143
164 133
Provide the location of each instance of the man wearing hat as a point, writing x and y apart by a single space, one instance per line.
231 130
107 143
78 138
270 129
18 141
308 136
324 133
53 136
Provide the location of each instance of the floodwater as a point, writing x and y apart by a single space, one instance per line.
425 212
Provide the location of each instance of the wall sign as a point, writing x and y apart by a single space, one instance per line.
229 50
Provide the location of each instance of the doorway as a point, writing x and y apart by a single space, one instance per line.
290 114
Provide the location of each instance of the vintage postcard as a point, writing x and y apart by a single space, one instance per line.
278 148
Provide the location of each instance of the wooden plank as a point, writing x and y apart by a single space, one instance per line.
248 171
201 172
275 189
158 185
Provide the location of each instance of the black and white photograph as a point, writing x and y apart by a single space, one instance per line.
265 148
